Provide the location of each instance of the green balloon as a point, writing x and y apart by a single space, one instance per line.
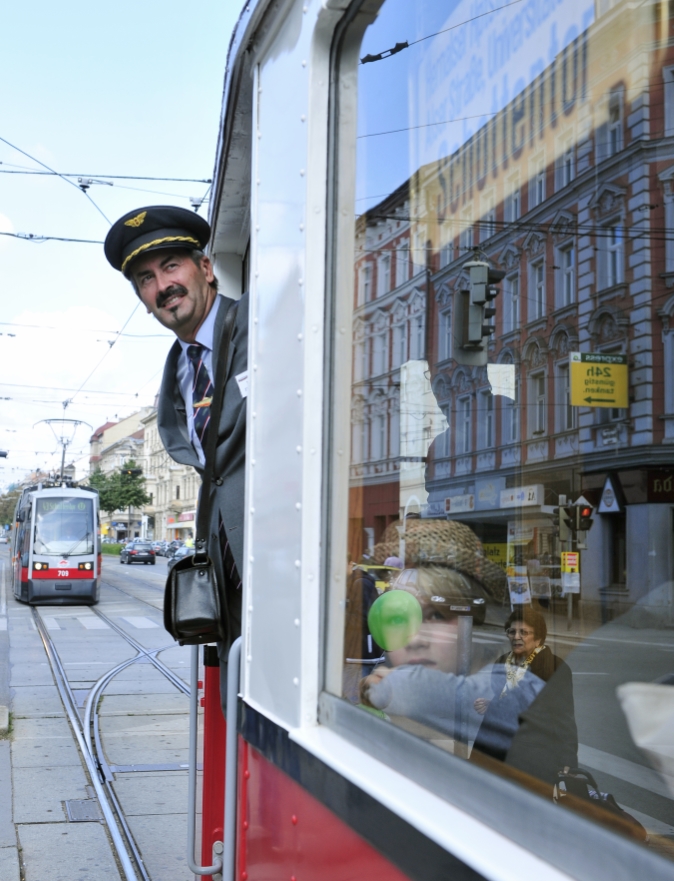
394 618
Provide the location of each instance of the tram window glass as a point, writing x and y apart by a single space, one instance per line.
509 595
64 526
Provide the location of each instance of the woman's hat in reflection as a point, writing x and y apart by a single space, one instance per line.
442 543
394 563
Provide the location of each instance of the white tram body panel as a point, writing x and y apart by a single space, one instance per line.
289 171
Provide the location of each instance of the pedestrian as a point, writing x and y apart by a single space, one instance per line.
160 250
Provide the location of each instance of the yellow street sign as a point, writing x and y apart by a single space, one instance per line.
570 561
598 380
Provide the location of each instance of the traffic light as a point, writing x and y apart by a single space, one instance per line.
570 518
560 523
583 517
473 313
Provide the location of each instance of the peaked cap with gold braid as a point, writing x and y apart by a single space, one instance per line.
154 228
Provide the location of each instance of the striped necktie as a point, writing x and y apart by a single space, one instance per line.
202 391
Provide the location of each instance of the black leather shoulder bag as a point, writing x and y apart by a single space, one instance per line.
193 599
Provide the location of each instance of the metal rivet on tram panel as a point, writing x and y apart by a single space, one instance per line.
296 681
294 820
298 449
297 564
303 118
300 281
298 505
218 847
254 414
304 64
299 392
304 9
301 172
257 229
314 327
250 608
342 330
340 452
245 824
251 559
252 461
252 510
301 227
244 875
246 774
297 622
300 337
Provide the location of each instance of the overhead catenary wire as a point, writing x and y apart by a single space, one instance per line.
53 171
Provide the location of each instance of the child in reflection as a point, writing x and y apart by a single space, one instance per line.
419 681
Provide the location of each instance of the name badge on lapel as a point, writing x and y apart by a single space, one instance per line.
242 380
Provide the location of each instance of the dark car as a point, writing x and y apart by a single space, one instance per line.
172 547
179 554
137 552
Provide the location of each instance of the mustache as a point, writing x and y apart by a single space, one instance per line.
169 292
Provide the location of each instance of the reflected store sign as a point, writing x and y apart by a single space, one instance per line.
460 504
484 57
522 496
488 493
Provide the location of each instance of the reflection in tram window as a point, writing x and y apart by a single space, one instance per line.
526 474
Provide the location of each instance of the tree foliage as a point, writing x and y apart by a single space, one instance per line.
7 506
120 490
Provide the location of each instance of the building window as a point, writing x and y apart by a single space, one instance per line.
177 492
399 344
537 296
417 347
379 437
365 285
537 182
612 255
668 77
511 303
466 237
513 205
380 353
565 165
510 415
360 360
566 276
402 265
384 274
444 443
614 124
485 420
463 416
394 442
538 404
488 222
566 414
445 336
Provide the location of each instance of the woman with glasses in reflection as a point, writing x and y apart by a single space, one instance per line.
529 723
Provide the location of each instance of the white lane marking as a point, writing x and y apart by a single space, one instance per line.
139 621
3 593
630 772
92 623
50 623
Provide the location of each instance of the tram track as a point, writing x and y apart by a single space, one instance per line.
86 729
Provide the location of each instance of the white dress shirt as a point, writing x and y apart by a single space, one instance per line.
185 372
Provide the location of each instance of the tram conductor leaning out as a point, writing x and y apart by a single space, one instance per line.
160 249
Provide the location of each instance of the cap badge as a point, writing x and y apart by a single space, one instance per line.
137 220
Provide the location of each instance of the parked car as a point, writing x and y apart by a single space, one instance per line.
159 547
179 554
137 552
4 540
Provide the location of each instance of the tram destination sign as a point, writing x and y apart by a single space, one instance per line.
598 380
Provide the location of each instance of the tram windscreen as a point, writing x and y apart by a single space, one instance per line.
504 300
64 526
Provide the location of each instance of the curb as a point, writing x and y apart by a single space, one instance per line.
4 720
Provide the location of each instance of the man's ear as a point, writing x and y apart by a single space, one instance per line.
207 268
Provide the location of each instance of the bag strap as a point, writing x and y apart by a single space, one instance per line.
204 512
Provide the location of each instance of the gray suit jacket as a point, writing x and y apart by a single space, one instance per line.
227 488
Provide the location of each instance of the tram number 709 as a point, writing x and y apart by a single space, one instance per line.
62 573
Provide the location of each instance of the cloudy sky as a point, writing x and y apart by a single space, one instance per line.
128 89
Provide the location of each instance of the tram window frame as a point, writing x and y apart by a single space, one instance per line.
584 849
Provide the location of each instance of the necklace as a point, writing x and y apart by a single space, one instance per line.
515 672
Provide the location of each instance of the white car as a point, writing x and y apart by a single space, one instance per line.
4 540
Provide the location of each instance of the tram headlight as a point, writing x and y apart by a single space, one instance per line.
85 566
39 566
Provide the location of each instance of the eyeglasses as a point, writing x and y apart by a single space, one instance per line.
513 632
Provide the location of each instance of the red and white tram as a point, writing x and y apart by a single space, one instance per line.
384 166
56 546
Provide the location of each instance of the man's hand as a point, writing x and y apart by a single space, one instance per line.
481 705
